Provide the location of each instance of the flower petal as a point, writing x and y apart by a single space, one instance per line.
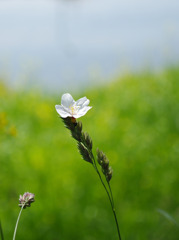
67 100
82 111
62 112
82 102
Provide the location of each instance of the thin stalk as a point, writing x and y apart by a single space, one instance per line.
110 195
15 230
109 186
112 204
96 168
1 232
114 211
104 185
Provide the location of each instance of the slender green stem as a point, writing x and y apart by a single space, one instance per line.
109 186
15 230
104 185
110 195
96 168
1 232
112 204
114 211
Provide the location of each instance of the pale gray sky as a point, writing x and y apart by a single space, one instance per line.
66 39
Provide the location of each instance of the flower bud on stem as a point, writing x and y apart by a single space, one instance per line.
25 200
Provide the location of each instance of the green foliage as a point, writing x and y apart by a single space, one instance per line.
134 120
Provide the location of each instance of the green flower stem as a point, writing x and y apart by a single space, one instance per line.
110 199
96 169
114 211
110 195
15 230
103 184
1 232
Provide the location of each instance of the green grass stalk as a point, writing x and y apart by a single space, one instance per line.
17 222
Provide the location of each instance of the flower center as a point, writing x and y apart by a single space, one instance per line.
73 110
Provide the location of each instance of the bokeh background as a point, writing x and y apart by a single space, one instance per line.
124 57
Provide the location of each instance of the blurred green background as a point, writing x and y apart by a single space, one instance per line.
134 120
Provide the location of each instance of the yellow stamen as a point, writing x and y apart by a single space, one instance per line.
72 110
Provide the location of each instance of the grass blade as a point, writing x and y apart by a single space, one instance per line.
167 216
1 232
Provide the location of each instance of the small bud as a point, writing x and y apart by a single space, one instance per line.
79 127
69 123
102 159
105 162
109 174
73 120
26 199
84 152
76 131
76 135
100 155
88 141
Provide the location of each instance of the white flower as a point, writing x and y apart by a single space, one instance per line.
71 108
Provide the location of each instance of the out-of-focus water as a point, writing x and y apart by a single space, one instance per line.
68 44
